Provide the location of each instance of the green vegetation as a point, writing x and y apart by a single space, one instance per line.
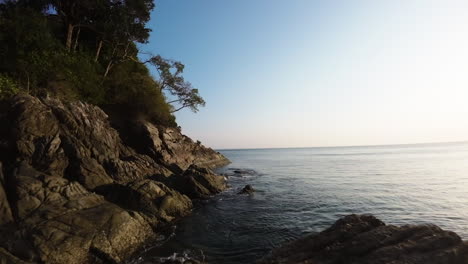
87 50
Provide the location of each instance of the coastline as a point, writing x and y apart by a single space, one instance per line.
366 239
77 187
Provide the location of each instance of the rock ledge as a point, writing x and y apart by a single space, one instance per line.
364 239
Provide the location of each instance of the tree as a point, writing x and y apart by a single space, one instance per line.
87 50
171 80
123 24
73 14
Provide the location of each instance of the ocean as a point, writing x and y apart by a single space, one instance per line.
305 190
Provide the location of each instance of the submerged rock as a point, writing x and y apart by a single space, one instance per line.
74 190
242 172
366 239
248 189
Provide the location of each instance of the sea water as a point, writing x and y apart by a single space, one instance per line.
305 190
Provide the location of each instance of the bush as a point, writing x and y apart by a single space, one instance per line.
131 86
8 87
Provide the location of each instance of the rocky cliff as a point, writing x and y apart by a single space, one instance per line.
78 188
363 239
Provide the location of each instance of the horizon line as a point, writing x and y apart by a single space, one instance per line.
348 146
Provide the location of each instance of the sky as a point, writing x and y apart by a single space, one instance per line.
303 73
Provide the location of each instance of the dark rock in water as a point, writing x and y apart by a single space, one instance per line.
248 189
365 239
72 190
243 171
233 172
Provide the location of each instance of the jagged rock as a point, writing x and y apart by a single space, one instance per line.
248 189
73 191
364 239
5 211
171 147
196 182
149 196
7 258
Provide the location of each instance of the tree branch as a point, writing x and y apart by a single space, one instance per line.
179 108
178 100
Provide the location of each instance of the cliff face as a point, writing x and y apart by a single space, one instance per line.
77 189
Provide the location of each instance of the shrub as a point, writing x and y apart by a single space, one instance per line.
131 86
8 87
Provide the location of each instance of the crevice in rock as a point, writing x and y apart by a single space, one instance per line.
10 189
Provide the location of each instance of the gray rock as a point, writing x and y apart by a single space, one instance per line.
168 146
196 182
365 239
73 191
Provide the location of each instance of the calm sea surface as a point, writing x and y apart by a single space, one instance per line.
305 190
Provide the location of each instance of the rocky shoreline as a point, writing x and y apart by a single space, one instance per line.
78 188
364 239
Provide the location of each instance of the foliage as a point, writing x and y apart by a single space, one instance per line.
8 87
148 102
170 74
87 50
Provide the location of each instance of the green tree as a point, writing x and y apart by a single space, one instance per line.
87 50
172 81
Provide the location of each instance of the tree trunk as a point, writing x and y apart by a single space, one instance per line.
27 86
109 65
76 39
69 36
98 51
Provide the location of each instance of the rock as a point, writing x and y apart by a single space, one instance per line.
5 211
72 190
365 239
241 171
151 197
196 182
7 258
234 172
169 146
248 189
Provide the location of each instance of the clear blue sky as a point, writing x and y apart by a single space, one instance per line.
299 73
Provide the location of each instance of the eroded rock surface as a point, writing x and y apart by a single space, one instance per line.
364 239
73 190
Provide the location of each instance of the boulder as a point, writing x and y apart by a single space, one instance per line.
196 182
365 239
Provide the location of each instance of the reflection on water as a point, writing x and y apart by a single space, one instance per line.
305 190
